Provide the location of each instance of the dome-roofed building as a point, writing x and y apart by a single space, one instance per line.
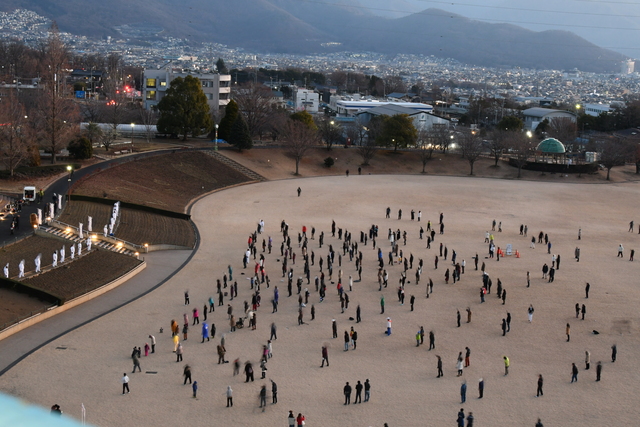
551 151
551 146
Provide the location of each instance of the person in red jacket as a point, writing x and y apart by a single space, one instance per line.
300 420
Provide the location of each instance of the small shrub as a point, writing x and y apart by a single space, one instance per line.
328 162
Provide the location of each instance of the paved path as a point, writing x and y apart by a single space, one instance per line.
161 266
61 186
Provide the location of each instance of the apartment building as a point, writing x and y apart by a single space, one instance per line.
216 87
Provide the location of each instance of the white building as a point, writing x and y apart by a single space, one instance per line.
306 100
422 119
350 107
534 116
627 66
596 109
216 87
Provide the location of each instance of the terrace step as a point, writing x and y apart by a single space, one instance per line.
235 165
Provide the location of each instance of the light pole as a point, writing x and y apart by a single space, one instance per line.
70 170
216 146
132 126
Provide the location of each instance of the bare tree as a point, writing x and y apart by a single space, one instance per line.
14 133
522 149
498 144
330 131
359 135
57 114
440 136
114 111
298 139
91 110
108 137
614 152
425 147
564 129
149 118
471 147
255 103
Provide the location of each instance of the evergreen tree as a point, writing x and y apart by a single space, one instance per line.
240 135
230 115
184 109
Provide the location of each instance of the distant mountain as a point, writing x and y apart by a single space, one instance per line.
613 25
443 34
301 26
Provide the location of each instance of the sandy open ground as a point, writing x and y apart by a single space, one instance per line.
405 390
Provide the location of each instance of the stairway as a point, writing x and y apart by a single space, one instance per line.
235 165
96 243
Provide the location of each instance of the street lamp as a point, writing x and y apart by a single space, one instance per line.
529 134
216 146
70 170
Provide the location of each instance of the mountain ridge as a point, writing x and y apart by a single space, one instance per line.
298 26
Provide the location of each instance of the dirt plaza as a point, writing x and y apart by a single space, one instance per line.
85 365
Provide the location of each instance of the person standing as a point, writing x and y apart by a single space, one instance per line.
481 389
614 353
568 332
574 373
461 418
412 300
440 374
334 327
274 392
620 251
467 357
125 383
301 418
432 341
633 252
530 312
194 386
539 423
346 341
583 311
229 394
458 317
381 305
153 343
187 374
507 363
540 383
263 397
587 360
136 362
459 364
359 388
577 254
508 322
470 419
586 290
292 419
367 390
598 370
388 326
463 392
347 394
179 352
528 279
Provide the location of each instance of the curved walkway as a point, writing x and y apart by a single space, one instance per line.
161 266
